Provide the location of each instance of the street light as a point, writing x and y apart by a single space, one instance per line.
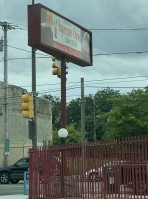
62 133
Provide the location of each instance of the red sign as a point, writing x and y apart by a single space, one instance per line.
56 35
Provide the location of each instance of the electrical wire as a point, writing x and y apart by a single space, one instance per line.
97 54
27 50
121 53
19 103
104 29
87 84
11 97
87 81
91 81
118 29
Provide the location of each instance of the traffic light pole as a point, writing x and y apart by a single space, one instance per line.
34 121
63 93
63 121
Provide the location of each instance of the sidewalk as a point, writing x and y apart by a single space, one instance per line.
14 197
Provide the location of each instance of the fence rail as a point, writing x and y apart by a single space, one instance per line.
105 169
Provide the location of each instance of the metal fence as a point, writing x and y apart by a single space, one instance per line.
105 169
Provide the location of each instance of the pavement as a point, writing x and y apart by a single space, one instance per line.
18 196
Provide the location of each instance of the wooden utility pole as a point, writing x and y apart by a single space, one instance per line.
5 25
34 120
94 118
82 112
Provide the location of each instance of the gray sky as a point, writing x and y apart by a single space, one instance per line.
94 14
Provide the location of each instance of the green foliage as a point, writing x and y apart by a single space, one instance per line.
129 116
74 135
102 103
116 115
74 112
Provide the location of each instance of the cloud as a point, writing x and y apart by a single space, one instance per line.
96 14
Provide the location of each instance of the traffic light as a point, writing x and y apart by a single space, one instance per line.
27 105
56 67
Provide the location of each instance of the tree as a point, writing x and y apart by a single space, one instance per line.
103 104
100 104
129 117
74 112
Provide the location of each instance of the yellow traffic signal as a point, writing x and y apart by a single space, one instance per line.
53 58
56 67
57 71
27 106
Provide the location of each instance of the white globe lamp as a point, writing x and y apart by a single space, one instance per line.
62 133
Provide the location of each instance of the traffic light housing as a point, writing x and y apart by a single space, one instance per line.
27 106
57 72
56 67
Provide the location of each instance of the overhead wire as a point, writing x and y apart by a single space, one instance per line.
87 81
118 29
19 103
11 97
26 50
102 29
90 83
97 54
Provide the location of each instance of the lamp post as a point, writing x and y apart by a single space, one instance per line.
63 133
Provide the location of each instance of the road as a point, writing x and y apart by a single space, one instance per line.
11 189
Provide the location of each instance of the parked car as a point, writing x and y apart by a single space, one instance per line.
115 174
15 172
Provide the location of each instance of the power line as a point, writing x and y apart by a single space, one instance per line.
48 56
118 29
129 77
102 29
11 97
93 81
118 78
26 50
122 53
10 104
98 54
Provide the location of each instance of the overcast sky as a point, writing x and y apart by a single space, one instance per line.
125 30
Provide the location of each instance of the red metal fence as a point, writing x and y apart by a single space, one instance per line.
105 169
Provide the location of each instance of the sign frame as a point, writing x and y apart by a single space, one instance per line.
34 36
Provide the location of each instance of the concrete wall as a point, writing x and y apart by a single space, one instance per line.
18 126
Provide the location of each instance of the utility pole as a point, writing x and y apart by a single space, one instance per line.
5 27
94 118
83 126
82 112
34 120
